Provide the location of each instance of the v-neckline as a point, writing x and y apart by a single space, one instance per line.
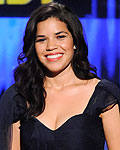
63 124
67 120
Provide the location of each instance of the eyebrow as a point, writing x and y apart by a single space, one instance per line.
61 32
55 34
40 36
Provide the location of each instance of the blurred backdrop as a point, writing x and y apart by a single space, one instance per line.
101 22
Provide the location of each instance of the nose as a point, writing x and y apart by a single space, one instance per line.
51 45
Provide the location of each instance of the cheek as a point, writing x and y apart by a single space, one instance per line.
39 49
67 45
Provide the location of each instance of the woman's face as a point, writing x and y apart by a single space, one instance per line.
54 44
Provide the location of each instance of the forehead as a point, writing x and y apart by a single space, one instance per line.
51 24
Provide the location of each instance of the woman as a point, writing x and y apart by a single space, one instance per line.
57 97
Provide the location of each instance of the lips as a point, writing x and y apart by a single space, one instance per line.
54 56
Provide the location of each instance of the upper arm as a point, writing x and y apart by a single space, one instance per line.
111 125
16 136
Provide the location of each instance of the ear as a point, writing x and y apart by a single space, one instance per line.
74 47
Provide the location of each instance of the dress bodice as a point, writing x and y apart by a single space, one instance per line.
80 132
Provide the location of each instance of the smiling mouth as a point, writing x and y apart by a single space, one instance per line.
54 57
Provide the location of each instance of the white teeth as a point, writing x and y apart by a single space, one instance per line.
54 56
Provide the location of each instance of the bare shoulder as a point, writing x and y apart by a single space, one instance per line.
93 82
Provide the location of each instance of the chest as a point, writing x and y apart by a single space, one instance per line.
62 105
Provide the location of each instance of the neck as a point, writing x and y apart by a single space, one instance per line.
61 80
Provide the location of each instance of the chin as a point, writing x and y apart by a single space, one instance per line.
53 72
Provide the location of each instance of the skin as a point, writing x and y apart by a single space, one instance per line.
111 125
63 87
55 40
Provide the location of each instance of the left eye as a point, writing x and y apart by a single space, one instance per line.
61 36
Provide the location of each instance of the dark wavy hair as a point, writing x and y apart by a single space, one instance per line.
29 74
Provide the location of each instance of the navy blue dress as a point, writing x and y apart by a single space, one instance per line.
80 132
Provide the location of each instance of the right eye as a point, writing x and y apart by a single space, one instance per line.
40 40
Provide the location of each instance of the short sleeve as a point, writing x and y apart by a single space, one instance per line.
111 95
105 97
108 101
12 108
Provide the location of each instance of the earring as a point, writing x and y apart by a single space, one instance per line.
74 47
